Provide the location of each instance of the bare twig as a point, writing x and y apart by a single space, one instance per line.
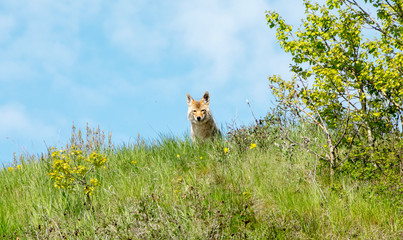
332 156
306 148
247 102
365 14
350 146
322 195
346 125
57 227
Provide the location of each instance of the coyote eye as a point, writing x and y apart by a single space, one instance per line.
203 110
194 111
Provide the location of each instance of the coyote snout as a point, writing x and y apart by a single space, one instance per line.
203 125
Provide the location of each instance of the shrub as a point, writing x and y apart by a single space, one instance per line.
74 168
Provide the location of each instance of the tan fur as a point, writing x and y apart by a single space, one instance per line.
203 125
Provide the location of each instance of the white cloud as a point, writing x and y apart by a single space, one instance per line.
210 32
227 43
135 27
234 45
13 118
22 132
41 36
16 121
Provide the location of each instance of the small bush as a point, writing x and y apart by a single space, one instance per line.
263 133
74 168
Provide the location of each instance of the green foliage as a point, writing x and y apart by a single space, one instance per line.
71 168
261 189
75 167
382 166
265 132
348 71
343 106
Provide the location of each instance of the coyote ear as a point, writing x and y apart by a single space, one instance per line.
189 98
206 98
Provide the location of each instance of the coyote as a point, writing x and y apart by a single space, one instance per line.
203 125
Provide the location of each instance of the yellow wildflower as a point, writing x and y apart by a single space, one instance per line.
246 194
10 169
178 156
225 150
19 167
134 162
94 182
253 145
88 190
201 157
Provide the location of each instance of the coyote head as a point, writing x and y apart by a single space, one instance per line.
198 111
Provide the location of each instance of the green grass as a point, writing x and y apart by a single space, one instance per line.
174 190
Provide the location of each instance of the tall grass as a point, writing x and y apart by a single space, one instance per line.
172 189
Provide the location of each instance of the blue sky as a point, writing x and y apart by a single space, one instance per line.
127 66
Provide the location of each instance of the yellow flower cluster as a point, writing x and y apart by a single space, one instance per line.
89 190
246 194
94 182
61 170
71 167
97 159
11 169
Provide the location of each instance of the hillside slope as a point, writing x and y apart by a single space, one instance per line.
172 189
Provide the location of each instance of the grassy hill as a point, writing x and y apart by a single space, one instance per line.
171 189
